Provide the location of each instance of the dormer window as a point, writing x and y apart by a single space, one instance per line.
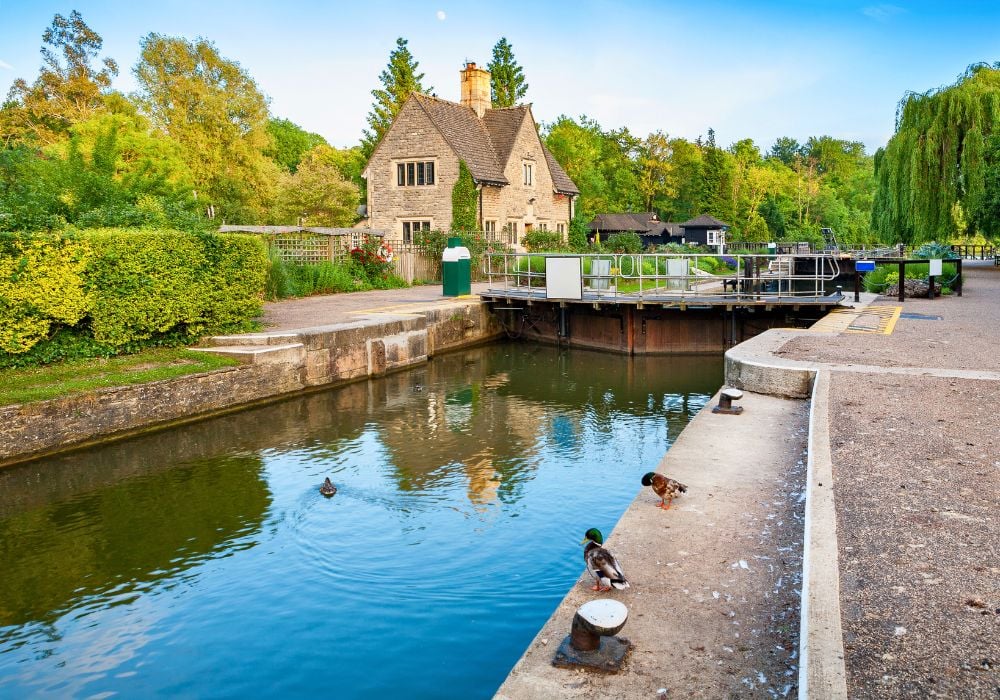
415 173
529 174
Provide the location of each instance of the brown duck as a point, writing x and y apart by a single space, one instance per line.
601 563
328 489
664 487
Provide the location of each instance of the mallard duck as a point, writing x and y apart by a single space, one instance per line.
664 487
601 563
328 489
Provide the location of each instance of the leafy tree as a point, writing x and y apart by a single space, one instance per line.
463 201
289 142
987 215
68 88
399 80
212 108
507 85
317 194
786 149
656 180
601 163
937 159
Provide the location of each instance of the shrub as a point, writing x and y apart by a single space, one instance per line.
627 242
543 241
934 250
87 293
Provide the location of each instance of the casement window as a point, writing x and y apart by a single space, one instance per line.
415 174
412 227
714 237
542 226
529 174
560 228
490 227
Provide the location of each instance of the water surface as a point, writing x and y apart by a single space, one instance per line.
202 561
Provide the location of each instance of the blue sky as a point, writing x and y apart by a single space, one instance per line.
758 70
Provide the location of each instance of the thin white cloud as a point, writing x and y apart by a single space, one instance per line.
441 15
6 66
882 12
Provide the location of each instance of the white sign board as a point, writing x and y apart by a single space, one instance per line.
563 278
935 268
677 268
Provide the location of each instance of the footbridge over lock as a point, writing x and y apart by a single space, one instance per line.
658 303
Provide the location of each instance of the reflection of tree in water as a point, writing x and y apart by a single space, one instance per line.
136 532
485 411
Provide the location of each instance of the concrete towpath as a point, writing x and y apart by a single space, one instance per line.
903 594
331 309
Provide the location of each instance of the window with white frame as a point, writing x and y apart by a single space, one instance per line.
419 173
529 174
412 227
490 227
714 237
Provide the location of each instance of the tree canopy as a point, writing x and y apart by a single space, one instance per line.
507 84
399 80
931 176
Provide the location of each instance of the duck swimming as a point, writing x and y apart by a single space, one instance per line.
328 489
601 563
664 487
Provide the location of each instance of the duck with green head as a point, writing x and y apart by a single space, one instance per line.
601 563
664 487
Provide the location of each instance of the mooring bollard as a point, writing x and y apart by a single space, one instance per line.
726 398
591 642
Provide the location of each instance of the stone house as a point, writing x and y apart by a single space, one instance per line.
411 173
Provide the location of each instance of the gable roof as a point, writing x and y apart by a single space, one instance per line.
485 144
503 125
705 221
467 135
640 222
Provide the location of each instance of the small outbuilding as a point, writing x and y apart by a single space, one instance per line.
705 230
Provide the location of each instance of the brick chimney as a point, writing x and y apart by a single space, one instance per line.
476 89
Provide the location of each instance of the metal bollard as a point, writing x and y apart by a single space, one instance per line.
726 398
592 643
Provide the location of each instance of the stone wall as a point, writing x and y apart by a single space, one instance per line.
412 137
274 365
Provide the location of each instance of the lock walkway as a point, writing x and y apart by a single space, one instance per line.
904 428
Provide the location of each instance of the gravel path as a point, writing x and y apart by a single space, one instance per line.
916 463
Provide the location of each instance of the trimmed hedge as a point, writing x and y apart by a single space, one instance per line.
127 288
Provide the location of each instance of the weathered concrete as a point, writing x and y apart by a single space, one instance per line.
275 364
713 610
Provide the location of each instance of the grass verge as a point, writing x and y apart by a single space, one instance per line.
77 376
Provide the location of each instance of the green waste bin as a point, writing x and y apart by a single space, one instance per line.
456 269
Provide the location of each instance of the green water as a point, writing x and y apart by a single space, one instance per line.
203 562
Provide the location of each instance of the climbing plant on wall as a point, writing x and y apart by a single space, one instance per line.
463 201
930 176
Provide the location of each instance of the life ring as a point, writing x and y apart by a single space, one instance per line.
385 252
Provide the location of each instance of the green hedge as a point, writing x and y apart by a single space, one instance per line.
120 288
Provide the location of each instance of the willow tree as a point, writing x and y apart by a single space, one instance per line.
930 176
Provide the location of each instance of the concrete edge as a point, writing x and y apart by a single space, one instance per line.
822 671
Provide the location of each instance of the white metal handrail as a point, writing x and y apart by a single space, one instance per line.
638 276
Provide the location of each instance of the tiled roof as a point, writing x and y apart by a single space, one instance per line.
467 135
639 222
704 221
486 144
503 125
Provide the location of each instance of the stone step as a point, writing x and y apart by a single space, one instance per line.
273 339
261 354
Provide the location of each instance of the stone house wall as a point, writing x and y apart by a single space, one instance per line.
412 137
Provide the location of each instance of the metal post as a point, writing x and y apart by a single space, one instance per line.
857 285
930 287
958 281
902 278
